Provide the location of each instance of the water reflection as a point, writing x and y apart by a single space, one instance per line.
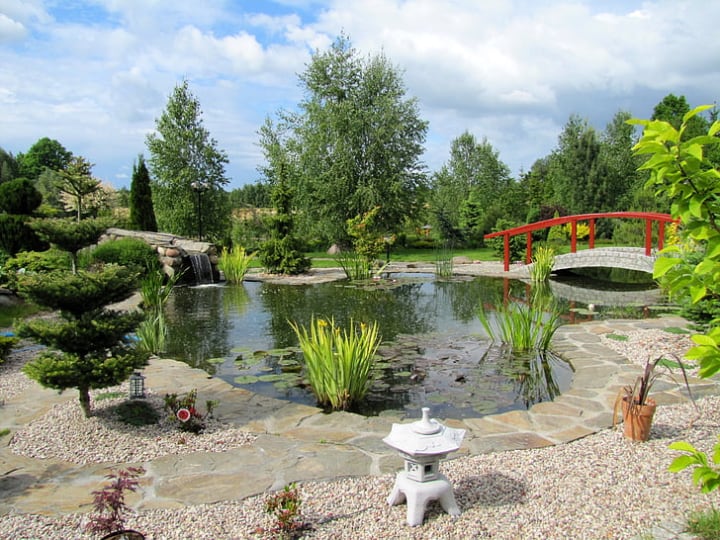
433 354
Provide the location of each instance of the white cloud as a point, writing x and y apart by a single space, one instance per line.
511 70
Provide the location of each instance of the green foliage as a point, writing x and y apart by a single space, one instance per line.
77 182
19 196
34 262
524 328
45 154
543 262
16 235
355 143
517 242
155 290
8 166
235 263
134 253
705 475
81 292
679 167
142 212
70 235
6 345
338 361
282 253
705 524
366 239
444 262
355 266
182 152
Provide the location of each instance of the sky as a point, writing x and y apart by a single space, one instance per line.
96 74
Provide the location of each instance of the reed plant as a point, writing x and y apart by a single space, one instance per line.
355 265
155 290
338 361
522 327
543 262
235 263
444 262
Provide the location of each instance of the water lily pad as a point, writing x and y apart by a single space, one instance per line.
246 379
215 360
241 350
403 373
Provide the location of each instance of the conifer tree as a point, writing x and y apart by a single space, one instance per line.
142 213
87 346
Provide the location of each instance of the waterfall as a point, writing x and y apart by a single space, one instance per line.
202 268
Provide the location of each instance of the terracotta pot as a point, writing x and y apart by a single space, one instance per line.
637 419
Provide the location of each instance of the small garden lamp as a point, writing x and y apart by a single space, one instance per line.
137 385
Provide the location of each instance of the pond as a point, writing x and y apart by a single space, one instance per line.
434 351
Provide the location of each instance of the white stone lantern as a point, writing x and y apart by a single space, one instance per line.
422 445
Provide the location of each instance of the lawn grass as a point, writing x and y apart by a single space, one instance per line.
406 255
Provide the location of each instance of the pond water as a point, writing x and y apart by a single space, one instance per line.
434 351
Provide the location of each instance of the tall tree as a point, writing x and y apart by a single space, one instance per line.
45 154
9 167
355 143
183 155
142 213
77 182
469 189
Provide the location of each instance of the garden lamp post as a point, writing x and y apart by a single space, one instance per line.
199 188
137 385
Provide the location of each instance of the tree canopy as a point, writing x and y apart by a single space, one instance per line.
183 154
142 213
355 143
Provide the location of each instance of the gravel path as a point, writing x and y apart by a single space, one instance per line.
601 486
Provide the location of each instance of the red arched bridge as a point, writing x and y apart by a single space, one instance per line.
631 258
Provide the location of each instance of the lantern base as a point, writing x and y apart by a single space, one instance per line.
419 494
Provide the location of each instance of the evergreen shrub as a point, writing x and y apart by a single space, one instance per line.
133 253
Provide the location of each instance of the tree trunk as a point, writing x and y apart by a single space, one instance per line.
85 401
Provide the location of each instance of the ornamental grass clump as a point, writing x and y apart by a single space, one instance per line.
543 263
523 327
338 362
235 263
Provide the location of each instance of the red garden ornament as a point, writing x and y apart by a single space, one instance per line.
183 415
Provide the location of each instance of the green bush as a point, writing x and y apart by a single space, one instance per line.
16 235
133 253
6 345
33 262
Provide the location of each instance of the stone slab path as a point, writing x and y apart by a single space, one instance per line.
298 443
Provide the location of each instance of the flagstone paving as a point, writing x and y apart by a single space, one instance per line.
297 442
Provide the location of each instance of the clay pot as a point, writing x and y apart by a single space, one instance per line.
637 419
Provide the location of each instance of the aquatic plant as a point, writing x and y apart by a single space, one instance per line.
235 263
543 262
338 361
522 327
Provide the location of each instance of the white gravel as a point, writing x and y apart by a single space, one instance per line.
601 486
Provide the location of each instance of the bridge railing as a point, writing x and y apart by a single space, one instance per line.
649 217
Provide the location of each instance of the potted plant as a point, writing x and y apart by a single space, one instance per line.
638 408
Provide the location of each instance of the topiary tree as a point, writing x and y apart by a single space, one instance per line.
70 235
87 345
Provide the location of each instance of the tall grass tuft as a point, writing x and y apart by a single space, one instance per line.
235 263
444 262
543 263
155 290
522 327
355 265
338 361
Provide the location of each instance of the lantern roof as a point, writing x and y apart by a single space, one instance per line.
426 437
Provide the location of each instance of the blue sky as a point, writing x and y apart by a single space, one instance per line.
95 74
